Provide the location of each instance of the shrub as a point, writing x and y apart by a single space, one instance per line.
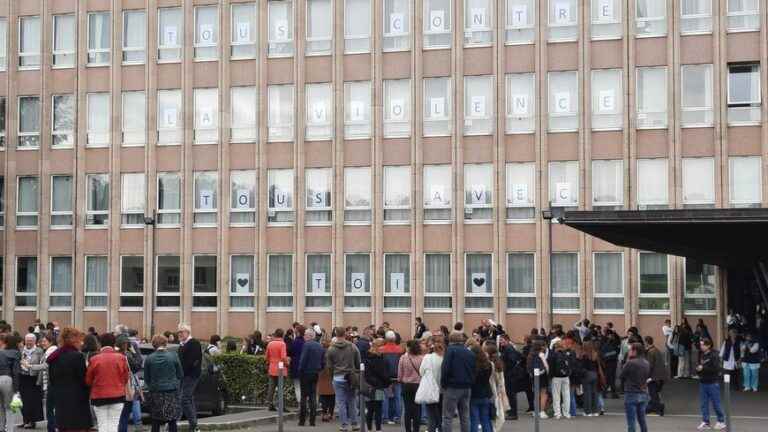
246 380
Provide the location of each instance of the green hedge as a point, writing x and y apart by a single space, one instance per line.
246 380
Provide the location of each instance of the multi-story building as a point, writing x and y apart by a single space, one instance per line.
242 165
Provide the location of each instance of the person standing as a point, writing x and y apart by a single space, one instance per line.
9 380
343 360
635 374
294 353
430 370
48 344
191 358
420 328
730 354
392 351
709 386
684 345
659 375
163 375
750 362
276 353
377 378
589 363
537 359
515 377
66 371
560 368
409 376
107 375
457 375
481 393
325 389
670 340
311 362
31 393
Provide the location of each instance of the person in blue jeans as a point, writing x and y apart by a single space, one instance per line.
709 385
635 375
481 393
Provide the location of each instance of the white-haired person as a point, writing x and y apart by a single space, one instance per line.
29 389
392 352
191 357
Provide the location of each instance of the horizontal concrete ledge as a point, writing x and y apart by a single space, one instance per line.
239 420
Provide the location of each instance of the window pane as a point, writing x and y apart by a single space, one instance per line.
243 197
29 42
606 19
280 31
651 18
521 292
743 15
96 281
99 114
168 199
437 107
438 192
280 287
318 195
357 194
437 281
745 181
397 193
437 23
521 190
652 188
479 282
133 197
319 27
564 280
521 103
397 281
696 95
397 108
244 30
134 118
698 181
654 278
357 287
357 26
206 115
29 122
478 105
609 281
206 32
652 97
607 99
280 208
206 197
26 281
319 111
563 20
168 281
396 25
478 22
134 36
608 183
63 41
242 282
564 184
357 109
563 101
520 21
99 38
478 191
204 290
61 200
318 281
169 117
132 281
696 16
170 36
63 121
243 114
700 282
280 119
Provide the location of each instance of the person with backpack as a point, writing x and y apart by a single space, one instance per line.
560 369
376 379
515 377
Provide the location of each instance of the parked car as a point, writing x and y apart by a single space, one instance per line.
210 395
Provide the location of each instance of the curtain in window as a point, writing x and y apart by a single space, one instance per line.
357 19
64 26
99 31
30 35
521 184
318 188
98 192
357 187
397 263
437 186
243 181
698 181
242 282
652 181
318 264
243 107
357 264
207 25
521 273
319 20
397 186
565 273
280 180
206 183
438 274
27 275
29 115
243 23
607 182
564 173
745 179
61 198
61 281
280 17
168 192
479 267
98 112
653 273
652 90
63 113
280 274
96 271
608 277
478 188
134 111
135 29
697 86
133 192
28 195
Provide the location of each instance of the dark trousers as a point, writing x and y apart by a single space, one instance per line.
308 398
610 375
435 415
529 398
672 361
271 390
654 391
188 386
412 415
373 409
125 417
156 424
50 415
327 404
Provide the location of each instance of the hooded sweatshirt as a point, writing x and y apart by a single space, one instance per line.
342 357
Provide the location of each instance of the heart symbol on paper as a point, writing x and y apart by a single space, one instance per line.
479 281
242 282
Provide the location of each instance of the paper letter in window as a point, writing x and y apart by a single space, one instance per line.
478 18
206 199
396 23
242 283
206 118
171 36
281 30
478 106
206 33
436 195
244 32
478 283
319 113
243 197
519 15
356 110
357 282
606 10
562 13
397 109
397 283
607 101
562 102
562 192
281 198
478 194
436 20
437 107
520 105
519 194
169 117
318 283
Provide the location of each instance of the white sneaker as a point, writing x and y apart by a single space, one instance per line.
543 415
719 426
704 426
558 416
567 416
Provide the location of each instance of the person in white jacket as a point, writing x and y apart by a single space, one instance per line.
750 362
429 387
498 386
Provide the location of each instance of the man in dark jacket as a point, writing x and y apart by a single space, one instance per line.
659 375
709 385
456 378
294 352
515 377
191 357
420 328
311 362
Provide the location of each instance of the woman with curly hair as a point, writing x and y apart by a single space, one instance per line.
163 375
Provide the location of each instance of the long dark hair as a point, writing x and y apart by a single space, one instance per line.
481 358
492 351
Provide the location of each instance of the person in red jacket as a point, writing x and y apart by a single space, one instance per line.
276 353
107 375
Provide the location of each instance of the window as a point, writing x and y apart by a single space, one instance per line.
564 280
243 198
564 184
521 282
280 282
204 281
280 209
280 28
319 208
170 35
563 20
134 118
438 193
97 197
280 121
168 289
357 26
99 38
478 192
608 282
318 295
319 112
478 105
357 195
478 282
96 282
743 15
169 117
397 194
64 41
745 181
3 113
652 98
61 201
478 23
521 190
700 281
397 282
26 282
606 19
652 187
396 25
206 198
608 184
437 21
397 108
168 199
61 283
27 202
651 18
437 282
2 219
521 103
699 182
134 36
29 122
244 31
437 106
3 60
696 95
357 109
241 282
563 101
63 121
744 93
133 197
131 281
29 42
243 114
695 16
607 99
319 27
520 23
654 283
206 32
99 115
357 287
206 115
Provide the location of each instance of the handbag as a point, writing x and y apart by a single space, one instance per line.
130 389
428 391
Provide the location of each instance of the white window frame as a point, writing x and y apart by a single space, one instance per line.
357 37
610 119
753 104
87 294
23 56
52 293
470 207
328 209
447 101
388 281
618 166
100 50
388 170
707 108
199 48
170 53
174 135
309 40
732 170
574 104
167 294
64 53
244 132
471 104
510 27
205 294
687 295
69 213
272 211
369 283
68 134
489 279
394 127
596 295
161 211
35 214
642 114
743 13
32 137
328 283
134 49
697 16
531 192
134 137
206 134
99 138
252 285
217 199
476 33
401 41
684 164
369 207
533 295
94 213
642 295
450 294
287 44
319 96
131 294
281 294
639 20
125 212
607 24
252 208
358 94
428 205
252 32
576 295
643 203
279 129
17 293
574 189
428 31
512 99
573 4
